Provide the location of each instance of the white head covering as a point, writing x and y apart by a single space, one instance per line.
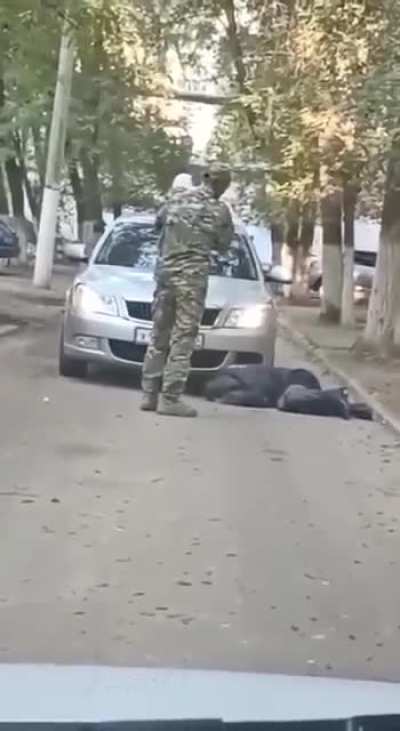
182 181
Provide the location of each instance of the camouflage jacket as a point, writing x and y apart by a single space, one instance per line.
193 224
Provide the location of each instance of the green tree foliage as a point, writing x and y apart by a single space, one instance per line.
317 104
121 147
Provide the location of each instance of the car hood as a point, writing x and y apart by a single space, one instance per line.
86 693
124 283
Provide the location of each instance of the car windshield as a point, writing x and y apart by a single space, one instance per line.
132 245
135 245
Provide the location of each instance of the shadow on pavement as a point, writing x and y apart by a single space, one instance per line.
125 378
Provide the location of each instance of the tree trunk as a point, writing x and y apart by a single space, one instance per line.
297 268
350 192
91 194
33 203
14 174
4 207
117 210
77 190
4 210
39 153
384 303
92 65
307 227
15 181
293 244
306 240
332 271
277 238
16 184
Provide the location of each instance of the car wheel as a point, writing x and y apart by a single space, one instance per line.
70 367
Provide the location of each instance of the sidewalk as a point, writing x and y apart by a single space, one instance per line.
21 303
369 378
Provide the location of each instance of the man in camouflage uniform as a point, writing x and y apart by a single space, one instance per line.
181 182
194 223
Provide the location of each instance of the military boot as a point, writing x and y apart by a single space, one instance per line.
149 402
175 407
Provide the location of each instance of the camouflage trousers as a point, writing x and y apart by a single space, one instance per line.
177 312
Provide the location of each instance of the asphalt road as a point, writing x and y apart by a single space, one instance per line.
242 540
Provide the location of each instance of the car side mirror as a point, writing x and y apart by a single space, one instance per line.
277 274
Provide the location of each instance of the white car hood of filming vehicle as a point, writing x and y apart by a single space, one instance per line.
93 694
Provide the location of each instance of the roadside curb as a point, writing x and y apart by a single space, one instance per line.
49 298
8 329
381 414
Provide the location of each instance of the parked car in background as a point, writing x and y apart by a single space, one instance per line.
108 308
9 246
74 250
364 269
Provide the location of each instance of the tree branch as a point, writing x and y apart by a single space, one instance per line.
188 96
238 58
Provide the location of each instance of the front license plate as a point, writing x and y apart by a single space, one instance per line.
143 337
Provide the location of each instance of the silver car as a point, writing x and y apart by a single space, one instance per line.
108 308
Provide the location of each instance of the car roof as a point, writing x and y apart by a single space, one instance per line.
139 218
148 219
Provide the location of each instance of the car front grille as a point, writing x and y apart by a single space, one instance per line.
208 358
124 350
209 316
245 358
142 311
139 310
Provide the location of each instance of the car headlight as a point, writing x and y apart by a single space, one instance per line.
246 317
86 301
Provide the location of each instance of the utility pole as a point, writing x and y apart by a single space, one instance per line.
55 160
